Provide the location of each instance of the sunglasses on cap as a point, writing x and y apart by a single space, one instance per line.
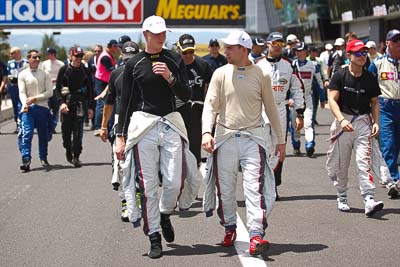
190 51
278 43
35 57
360 53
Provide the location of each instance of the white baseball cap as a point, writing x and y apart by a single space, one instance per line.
339 42
291 38
328 46
238 38
154 24
370 44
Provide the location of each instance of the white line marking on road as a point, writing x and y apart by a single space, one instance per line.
242 244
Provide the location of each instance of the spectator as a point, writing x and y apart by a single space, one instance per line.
214 58
52 65
14 67
106 64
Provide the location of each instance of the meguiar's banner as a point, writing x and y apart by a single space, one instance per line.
120 13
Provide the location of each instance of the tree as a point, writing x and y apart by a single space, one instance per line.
48 41
4 46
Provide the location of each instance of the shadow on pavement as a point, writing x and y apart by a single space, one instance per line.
315 155
309 197
199 249
278 249
56 167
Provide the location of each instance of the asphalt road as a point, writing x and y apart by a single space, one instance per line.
66 216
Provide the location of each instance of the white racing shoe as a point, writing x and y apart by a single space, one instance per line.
372 206
342 205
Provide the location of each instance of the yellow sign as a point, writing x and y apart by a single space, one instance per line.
171 9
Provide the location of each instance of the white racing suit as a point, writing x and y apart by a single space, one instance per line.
307 72
285 82
379 166
156 144
339 155
248 150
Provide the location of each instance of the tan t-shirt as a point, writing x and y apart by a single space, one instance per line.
237 94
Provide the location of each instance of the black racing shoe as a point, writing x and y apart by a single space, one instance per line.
167 228
25 165
310 152
155 246
45 163
77 163
68 154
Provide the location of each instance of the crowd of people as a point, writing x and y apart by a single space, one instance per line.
159 108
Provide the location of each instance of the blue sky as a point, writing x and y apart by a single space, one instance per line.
32 38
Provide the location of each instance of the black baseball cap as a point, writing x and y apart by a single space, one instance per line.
112 42
213 42
51 50
301 46
186 42
123 39
78 51
129 49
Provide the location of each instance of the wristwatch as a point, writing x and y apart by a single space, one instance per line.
171 78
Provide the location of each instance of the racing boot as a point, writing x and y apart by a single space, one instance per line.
77 163
229 239
155 246
372 206
25 165
68 155
167 228
393 190
258 245
310 152
124 211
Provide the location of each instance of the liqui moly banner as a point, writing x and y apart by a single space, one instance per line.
66 12
130 13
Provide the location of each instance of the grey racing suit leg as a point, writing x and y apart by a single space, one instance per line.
339 156
241 149
159 149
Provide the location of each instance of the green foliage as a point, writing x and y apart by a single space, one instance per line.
49 41
4 47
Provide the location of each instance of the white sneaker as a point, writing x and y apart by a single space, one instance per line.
372 206
393 190
342 204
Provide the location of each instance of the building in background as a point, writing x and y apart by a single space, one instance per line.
309 20
370 19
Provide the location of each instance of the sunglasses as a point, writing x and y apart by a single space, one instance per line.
278 43
188 52
98 51
360 53
396 40
36 57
